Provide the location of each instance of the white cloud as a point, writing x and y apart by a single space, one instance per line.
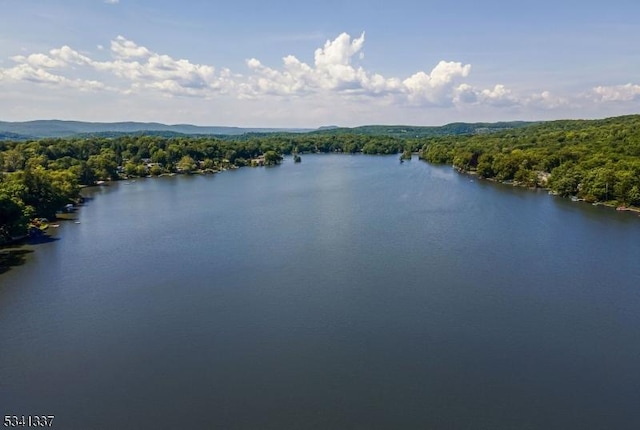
139 66
617 93
436 87
338 52
39 69
126 49
27 72
498 96
57 58
336 76
334 71
145 69
36 75
112 1
547 100
465 94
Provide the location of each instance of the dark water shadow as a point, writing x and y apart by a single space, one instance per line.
69 213
10 258
85 200
66 216
40 239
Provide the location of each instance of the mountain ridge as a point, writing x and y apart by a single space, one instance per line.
66 128
38 129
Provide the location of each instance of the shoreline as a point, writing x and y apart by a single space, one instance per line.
618 207
24 243
16 241
22 240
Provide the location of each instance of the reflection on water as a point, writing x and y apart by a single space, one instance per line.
341 292
12 257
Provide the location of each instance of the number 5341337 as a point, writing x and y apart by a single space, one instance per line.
28 420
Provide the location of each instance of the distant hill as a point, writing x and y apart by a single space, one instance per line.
5 135
159 133
57 128
61 129
456 128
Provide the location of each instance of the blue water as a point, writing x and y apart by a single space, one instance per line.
343 292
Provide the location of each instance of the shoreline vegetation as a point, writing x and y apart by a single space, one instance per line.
595 161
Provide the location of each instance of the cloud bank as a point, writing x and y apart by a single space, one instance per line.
335 73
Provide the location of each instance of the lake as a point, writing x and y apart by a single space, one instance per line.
344 292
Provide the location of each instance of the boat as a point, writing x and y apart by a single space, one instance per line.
37 227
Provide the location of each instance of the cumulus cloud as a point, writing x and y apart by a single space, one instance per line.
38 69
617 93
126 49
29 73
465 94
338 52
437 87
547 100
147 69
332 71
498 96
139 66
502 97
336 72
57 58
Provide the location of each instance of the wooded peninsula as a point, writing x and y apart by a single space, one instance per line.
591 160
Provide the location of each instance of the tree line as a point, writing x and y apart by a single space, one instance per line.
592 160
39 177
597 160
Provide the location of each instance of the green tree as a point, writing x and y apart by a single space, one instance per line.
272 158
485 169
186 164
155 170
48 191
12 219
104 165
159 156
13 161
131 168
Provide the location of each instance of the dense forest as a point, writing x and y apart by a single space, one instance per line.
598 161
40 177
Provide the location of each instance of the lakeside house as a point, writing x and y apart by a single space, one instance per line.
257 162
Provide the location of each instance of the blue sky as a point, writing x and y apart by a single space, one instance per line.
308 64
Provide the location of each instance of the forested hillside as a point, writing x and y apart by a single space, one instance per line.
591 160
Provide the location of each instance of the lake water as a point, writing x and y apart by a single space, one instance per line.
345 292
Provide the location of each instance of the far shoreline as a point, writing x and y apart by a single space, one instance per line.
611 204
17 249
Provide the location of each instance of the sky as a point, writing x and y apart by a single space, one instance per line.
282 63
